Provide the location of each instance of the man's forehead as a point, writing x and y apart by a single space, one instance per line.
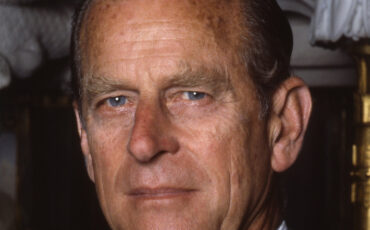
111 24
220 18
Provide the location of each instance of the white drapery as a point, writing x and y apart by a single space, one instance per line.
336 18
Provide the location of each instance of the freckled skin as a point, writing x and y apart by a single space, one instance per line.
215 147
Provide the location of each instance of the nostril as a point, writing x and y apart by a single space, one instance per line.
147 148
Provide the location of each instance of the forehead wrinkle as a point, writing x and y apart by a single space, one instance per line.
144 48
151 41
138 58
166 24
165 29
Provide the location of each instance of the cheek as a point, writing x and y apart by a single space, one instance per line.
107 143
250 168
234 154
216 144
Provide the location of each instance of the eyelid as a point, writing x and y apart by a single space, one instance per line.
179 97
173 92
189 94
101 99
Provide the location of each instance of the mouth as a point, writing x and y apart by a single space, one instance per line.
160 193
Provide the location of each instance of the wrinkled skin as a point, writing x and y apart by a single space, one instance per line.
173 135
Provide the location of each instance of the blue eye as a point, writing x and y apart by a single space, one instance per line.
116 101
193 95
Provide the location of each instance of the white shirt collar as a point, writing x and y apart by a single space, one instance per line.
283 226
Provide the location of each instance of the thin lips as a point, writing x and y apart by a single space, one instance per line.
154 192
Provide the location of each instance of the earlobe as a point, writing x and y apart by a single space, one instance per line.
291 109
84 143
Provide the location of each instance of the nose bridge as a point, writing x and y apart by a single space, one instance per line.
150 134
147 119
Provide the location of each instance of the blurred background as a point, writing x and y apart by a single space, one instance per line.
43 181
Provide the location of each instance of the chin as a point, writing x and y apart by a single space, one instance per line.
165 214
170 221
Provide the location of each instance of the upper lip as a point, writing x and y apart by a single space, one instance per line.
159 191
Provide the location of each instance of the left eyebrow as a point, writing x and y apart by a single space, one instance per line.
211 79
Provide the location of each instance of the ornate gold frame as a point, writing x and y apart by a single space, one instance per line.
360 173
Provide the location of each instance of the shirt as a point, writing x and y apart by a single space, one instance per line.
283 226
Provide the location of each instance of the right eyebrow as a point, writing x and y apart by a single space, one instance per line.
100 85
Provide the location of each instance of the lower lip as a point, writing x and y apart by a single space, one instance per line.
159 194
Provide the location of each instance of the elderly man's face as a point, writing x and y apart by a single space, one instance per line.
173 135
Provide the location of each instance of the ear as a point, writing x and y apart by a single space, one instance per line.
290 112
84 142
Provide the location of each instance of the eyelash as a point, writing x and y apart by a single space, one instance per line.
121 100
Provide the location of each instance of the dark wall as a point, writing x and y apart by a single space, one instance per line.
54 191
317 186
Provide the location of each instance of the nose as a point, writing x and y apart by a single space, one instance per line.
151 134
